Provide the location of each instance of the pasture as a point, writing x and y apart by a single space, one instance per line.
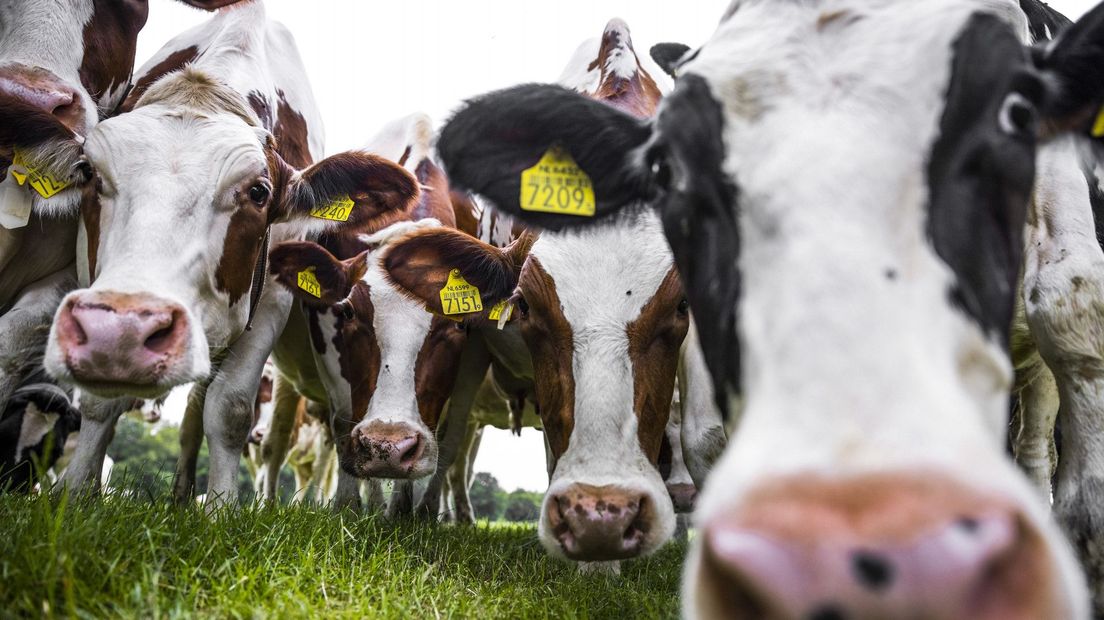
67 556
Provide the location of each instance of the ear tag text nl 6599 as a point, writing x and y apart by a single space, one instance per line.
459 297
337 211
556 184
309 283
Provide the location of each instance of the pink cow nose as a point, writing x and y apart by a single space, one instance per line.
388 450
683 495
603 523
121 339
44 90
875 555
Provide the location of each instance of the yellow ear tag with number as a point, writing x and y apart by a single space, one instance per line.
46 185
337 211
1098 126
459 297
556 184
309 283
501 312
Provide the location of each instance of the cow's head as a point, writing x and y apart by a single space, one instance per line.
387 364
63 66
603 316
844 186
180 194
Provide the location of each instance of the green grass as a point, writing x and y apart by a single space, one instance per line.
115 557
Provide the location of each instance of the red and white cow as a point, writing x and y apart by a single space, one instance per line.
599 322
184 191
845 185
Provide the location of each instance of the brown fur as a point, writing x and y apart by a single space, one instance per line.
110 42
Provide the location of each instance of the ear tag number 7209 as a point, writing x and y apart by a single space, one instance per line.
556 184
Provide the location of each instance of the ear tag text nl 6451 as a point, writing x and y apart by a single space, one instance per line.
459 297
309 283
337 211
556 184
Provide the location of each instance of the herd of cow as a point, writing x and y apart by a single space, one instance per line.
883 215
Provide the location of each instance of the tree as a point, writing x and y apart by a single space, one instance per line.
521 507
484 495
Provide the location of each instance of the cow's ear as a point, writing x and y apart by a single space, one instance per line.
582 144
313 275
423 264
1073 69
668 56
352 191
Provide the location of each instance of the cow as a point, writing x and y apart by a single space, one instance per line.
597 322
845 186
222 134
34 426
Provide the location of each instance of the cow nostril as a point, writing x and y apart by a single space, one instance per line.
409 454
872 570
828 612
160 340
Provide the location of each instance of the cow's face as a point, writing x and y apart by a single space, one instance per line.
180 196
844 186
388 365
603 316
63 66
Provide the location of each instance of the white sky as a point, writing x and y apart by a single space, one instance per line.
371 62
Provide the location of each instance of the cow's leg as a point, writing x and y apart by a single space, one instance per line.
402 499
324 469
374 501
459 473
703 431
347 493
1064 298
25 328
275 445
98 418
1033 444
228 410
191 439
474 362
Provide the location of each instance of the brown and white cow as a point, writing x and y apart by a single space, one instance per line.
212 161
845 185
599 322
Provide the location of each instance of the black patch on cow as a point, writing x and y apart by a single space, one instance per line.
668 56
487 144
980 176
666 457
19 475
1040 18
1096 198
700 219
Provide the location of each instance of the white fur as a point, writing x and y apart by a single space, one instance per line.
36 425
414 131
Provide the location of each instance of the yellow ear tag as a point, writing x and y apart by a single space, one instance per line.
46 185
501 312
337 211
556 184
1098 127
459 297
309 283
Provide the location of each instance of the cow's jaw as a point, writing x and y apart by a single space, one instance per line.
604 278
154 242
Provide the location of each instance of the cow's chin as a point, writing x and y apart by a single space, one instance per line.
183 372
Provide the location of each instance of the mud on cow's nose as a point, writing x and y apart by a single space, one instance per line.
600 523
117 340
389 450
846 552
43 90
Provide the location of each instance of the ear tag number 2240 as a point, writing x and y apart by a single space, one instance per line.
556 184
337 211
459 297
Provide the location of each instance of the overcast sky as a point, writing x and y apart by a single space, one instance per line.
371 62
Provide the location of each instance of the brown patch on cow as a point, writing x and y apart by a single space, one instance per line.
551 346
435 201
291 134
655 338
241 246
893 511
90 214
404 156
637 95
110 42
173 62
463 210
359 359
436 368
260 106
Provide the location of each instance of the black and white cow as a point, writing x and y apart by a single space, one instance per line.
34 425
845 185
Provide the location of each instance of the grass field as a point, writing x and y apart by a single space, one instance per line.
94 558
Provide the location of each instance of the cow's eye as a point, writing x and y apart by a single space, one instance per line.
1017 115
84 171
684 307
259 193
523 307
661 169
460 326
345 309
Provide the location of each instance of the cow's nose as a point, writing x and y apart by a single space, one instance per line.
121 339
847 563
600 523
43 90
389 450
257 435
683 495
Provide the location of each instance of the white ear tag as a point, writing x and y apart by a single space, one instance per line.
15 203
